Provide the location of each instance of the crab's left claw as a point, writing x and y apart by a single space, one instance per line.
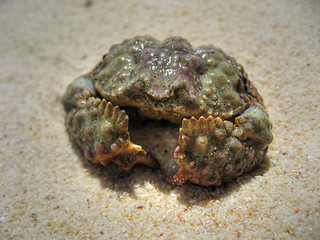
213 151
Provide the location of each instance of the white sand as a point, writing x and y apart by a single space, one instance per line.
49 192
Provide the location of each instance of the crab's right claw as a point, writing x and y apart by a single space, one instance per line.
101 130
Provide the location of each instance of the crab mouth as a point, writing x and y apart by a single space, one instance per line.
159 138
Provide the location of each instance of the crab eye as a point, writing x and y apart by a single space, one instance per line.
181 93
158 105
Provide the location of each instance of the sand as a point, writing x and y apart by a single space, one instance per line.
48 191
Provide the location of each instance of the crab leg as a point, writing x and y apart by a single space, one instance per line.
100 130
213 151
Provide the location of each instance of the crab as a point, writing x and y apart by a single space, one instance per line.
225 129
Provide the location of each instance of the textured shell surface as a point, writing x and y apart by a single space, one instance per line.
225 129
171 80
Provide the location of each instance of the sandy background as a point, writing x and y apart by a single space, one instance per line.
48 191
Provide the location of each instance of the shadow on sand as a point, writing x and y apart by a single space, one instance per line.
189 194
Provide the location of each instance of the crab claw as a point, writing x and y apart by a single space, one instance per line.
131 155
101 131
213 151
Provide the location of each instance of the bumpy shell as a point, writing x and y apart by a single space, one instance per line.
171 80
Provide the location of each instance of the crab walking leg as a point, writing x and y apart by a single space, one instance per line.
213 151
100 130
